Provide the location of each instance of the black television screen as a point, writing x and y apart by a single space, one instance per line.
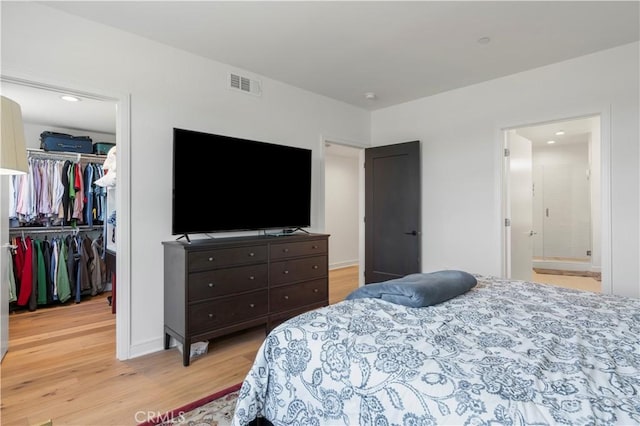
222 183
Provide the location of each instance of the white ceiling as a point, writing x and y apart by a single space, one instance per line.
44 106
574 131
399 50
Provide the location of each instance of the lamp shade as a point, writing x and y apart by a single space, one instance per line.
13 153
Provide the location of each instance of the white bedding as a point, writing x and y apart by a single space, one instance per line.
505 353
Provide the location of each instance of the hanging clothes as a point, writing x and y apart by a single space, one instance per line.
63 284
71 263
11 277
55 255
98 266
55 192
41 275
77 211
66 196
26 276
46 254
100 193
33 297
18 261
89 211
83 257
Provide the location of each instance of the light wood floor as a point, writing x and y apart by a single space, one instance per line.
570 281
61 365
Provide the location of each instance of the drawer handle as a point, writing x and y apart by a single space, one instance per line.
252 254
286 297
315 266
285 272
315 290
211 259
210 285
251 305
314 247
286 250
251 277
211 316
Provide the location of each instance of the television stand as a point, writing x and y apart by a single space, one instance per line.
185 236
293 231
285 232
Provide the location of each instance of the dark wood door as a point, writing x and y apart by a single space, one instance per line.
392 211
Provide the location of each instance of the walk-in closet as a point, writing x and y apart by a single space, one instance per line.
61 217
58 216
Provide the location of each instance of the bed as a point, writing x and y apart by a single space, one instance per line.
505 352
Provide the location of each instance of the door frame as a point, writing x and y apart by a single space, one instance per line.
605 187
122 103
326 139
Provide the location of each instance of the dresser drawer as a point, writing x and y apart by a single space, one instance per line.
227 257
222 282
298 270
217 313
300 248
293 296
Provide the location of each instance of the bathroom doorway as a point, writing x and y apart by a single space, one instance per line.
564 233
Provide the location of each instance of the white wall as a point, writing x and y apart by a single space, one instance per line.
461 133
168 88
342 200
595 160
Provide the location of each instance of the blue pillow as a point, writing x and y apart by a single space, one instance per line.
418 290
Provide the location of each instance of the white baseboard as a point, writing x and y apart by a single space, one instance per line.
344 264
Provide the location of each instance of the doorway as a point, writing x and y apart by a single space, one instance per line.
345 206
26 93
343 203
554 221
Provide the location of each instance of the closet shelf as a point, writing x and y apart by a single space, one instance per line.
59 155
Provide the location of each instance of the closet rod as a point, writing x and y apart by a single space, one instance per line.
72 156
53 229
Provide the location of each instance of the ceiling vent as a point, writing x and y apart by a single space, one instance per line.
244 84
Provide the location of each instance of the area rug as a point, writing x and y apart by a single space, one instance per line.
213 410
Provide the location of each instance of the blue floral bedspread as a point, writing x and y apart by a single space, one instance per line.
505 353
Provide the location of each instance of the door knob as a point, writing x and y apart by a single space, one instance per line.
411 233
531 233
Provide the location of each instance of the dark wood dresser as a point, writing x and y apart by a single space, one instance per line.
219 286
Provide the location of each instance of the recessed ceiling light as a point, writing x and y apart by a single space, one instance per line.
484 40
551 142
370 95
560 132
69 98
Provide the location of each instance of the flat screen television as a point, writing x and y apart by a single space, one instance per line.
223 183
